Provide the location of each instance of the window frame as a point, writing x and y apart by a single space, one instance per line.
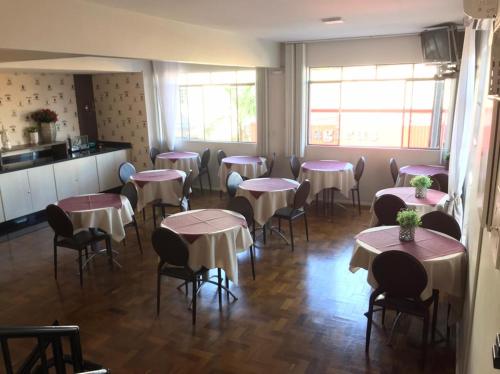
435 124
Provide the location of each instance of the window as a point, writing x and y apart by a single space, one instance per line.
218 106
401 106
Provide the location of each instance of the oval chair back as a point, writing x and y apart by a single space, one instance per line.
220 155
295 166
386 209
153 152
442 222
394 169
435 184
241 205
130 192
360 168
271 166
300 198
125 171
205 159
233 180
399 274
170 247
442 179
59 221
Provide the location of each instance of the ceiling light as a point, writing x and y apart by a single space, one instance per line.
332 20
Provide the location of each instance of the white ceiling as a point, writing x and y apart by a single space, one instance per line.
295 20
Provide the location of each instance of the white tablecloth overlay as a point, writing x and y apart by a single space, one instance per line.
404 178
218 249
168 191
269 202
185 163
446 274
321 179
248 170
110 219
421 209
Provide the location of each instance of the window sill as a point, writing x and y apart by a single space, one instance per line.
370 147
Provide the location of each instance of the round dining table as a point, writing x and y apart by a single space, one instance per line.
326 174
184 161
443 257
104 211
267 195
248 167
163 184
406 173
214 237
435 200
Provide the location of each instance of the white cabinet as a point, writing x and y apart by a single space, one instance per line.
16 194
42 187
107 169
76 177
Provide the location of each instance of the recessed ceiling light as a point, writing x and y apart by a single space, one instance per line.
332 20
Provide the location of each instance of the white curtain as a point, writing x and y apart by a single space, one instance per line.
262 93
165 78
295 99
470 93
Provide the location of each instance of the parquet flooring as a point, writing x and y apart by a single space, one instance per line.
303 313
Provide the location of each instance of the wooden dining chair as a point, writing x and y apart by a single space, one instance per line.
130 192
184 201
174 263
435 185
233 180
241 205
270 167
386 209
153 152
442 179
203 169
295 166
401 279
296 211
394 169
125 171
442 222
358 173
220 155
64 237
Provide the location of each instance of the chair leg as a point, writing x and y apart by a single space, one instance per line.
143 214
219 284
194 300
264 233
279 224
359 202
434 314
291 234
162 212
154 216
55 261
158 292
317 204
369 317
252 261
80 268
352 194
307 228
137 232
227 287
201 184
425 334
110 252
448 329
383 315
209 181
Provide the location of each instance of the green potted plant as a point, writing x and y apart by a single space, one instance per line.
446 159
46 120
421 184
408 220
33 134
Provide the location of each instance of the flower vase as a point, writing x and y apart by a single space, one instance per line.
406 234
420 192
33 138
48 132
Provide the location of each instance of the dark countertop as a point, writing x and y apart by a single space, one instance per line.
102 147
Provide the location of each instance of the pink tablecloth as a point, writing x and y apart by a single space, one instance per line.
164 185
108 212
406 173
184 161
214 238
267 195
325 174
247 166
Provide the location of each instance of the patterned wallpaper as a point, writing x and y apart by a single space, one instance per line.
121 113
23 93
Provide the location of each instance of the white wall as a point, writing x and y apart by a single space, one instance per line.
85 28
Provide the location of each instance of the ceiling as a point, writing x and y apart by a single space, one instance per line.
296 20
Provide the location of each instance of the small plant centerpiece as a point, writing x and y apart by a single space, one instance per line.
446 159
408 220
421 184
33 134
46 120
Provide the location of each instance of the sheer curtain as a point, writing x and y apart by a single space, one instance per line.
262 94
165 78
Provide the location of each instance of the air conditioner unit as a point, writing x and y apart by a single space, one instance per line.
481 8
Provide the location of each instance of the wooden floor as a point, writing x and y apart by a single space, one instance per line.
303 313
